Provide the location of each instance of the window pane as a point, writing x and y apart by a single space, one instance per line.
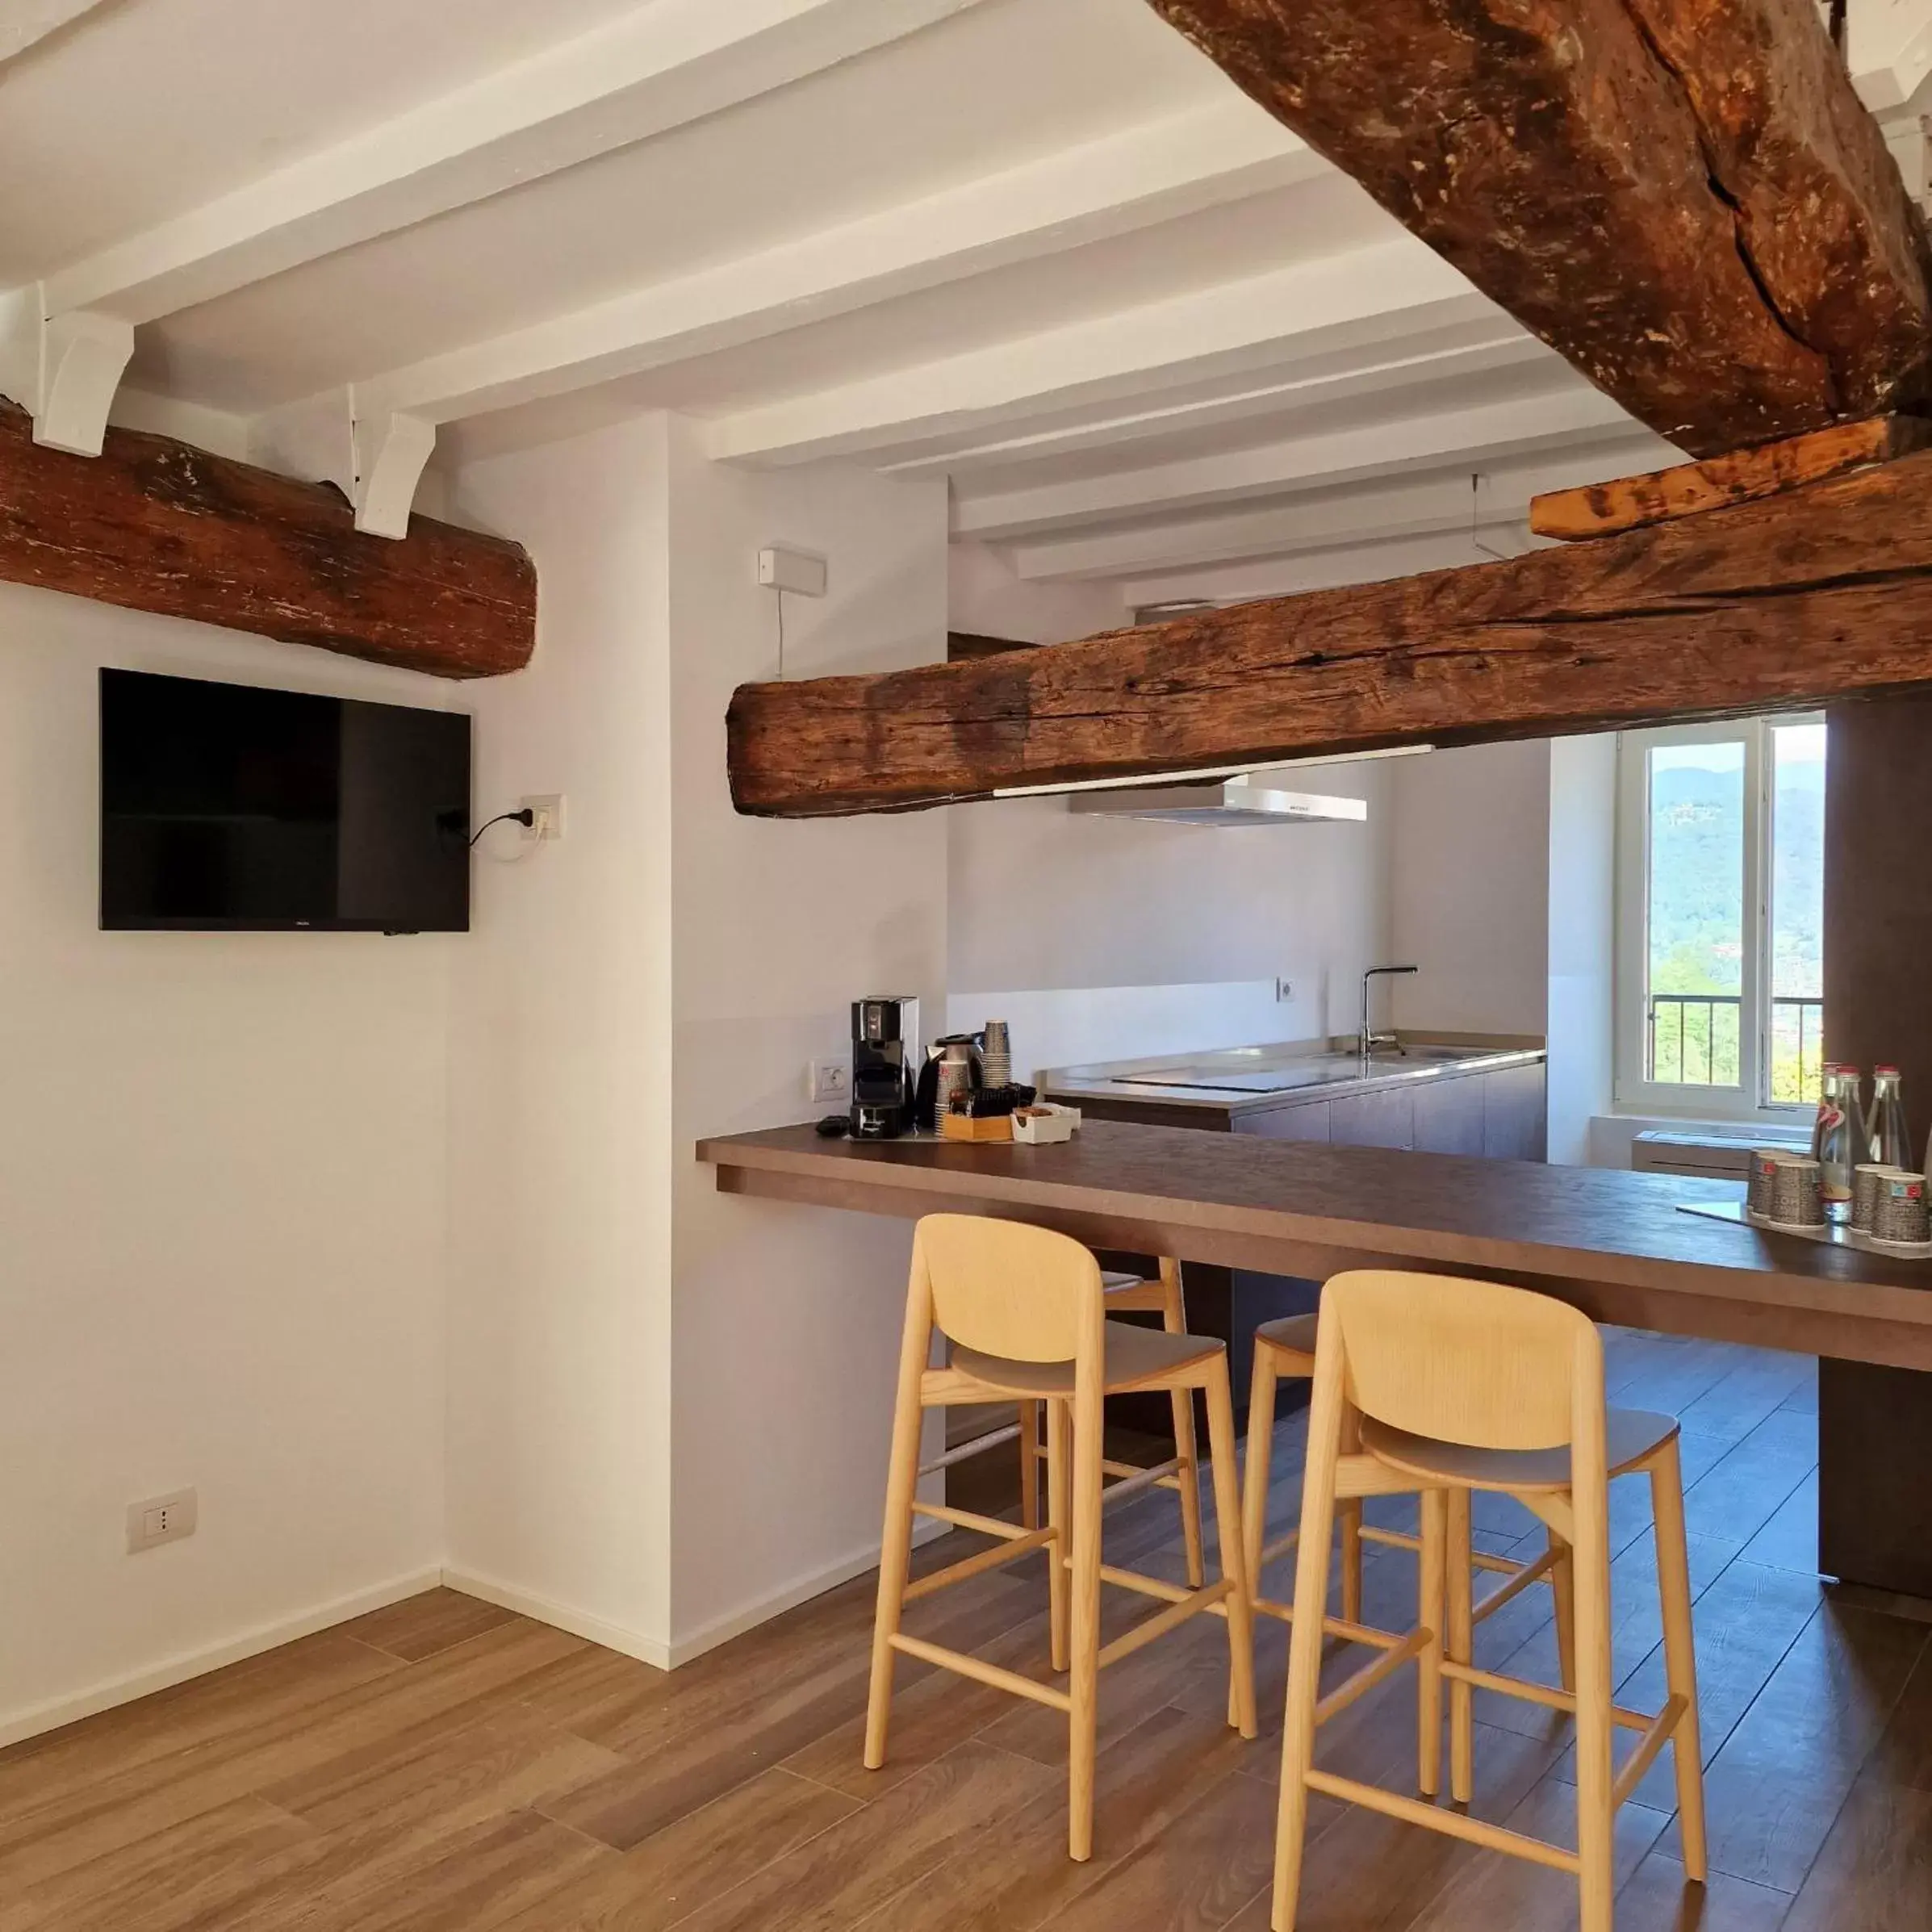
1695 946
1797 910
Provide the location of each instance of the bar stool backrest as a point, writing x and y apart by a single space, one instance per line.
1006 1289
1465 1362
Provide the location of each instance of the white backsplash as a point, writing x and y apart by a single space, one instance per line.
1071 1027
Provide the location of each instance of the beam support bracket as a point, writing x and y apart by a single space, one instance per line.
63 370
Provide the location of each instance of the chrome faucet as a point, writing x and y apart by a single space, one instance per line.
1368 1039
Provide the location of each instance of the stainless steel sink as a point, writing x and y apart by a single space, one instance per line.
1225 1073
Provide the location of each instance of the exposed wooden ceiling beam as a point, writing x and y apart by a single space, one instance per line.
1790 601
155 524
1623 176
1687 489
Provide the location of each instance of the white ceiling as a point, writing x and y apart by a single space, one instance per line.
1040 246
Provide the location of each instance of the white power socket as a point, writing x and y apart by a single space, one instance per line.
829 1082
548 821
161 1520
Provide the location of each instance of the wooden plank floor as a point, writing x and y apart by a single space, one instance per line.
444 1765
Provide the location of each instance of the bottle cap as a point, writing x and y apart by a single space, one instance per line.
1882 1068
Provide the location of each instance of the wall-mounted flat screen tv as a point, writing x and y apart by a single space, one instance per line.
226 807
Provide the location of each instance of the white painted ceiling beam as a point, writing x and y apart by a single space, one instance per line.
1889 49
1398 290
1369 562
22 22
1480 349
1439 503
1483 434
655 68
1112 186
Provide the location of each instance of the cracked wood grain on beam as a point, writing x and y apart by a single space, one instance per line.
158 525
1684 198
1786 603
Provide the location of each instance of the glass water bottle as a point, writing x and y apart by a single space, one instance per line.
1887 1136
1838 1139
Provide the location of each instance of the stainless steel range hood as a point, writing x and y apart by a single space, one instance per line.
1227 801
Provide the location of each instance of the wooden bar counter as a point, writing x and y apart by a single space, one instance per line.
1611 1243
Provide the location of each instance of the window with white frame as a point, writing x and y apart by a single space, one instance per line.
1721 898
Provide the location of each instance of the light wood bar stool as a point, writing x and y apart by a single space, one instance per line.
1129 1294
1463 1386
1024 1310
1287 1348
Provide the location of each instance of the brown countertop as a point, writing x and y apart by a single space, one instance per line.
1612 1243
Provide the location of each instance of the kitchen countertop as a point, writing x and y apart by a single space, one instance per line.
1252 1080
1609 1241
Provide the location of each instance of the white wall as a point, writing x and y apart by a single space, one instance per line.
787 1319
1045 900
221 1216
561 1147
1582 924
1469 888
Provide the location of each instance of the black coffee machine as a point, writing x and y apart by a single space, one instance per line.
885 1047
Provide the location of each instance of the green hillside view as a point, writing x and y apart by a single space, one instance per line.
1698 929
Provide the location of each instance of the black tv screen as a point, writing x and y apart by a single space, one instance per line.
225 808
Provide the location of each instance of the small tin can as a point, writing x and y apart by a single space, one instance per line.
1797 1200
1900 1212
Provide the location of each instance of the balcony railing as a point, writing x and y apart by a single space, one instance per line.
1693 1043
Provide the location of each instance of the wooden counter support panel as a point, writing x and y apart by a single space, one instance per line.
1610 1242
1874 1425
1821 592
1632 501
157 525
1621 176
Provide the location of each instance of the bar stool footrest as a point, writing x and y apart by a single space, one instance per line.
979 1669
1435 1817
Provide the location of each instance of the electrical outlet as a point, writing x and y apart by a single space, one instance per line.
829 1081
161 1520
548 823
1284 990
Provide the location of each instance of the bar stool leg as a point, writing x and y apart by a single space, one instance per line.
1059 1551
1084 1687
1228 1538
1173 1318
1429 1595
1305 1637
1562 1584
1461 1620
895 1553
1596 1818
1680 1654
1261 1454
1350 1512
1028 1460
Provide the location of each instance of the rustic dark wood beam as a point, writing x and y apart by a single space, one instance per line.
1823 592
1685 198
158 525
962 644
1689 489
